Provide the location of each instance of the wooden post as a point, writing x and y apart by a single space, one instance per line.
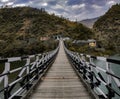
37 65
6 80
91 73
109 81
28 72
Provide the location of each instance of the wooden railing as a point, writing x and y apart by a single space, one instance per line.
96 76
34 68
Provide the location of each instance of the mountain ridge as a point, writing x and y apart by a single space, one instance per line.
107 29
21 24
89 22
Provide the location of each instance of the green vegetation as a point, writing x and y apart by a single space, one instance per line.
21 29
107 29
107 35
86 49
23 48
79 32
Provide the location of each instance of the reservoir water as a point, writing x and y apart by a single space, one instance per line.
115 68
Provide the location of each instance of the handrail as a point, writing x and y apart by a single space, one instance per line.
91 73
27 74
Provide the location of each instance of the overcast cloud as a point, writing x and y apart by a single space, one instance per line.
72 9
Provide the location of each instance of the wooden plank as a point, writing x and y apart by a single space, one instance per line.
64 98
61 82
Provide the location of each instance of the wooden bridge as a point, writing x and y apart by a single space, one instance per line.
61 81
66 75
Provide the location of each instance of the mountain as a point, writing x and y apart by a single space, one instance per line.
107 29
21 30
89 22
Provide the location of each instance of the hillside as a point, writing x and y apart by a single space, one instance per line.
89 22
21 29
107 29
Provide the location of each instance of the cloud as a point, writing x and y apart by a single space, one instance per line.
22 1
52 2
72 9
78 6
4 0
96 6
57 6
19 5
44 4
10 3
74 2
111 2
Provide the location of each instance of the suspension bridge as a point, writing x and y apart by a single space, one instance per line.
59 74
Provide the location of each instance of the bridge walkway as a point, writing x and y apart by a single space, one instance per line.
61 82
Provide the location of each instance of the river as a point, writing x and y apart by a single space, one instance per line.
115 68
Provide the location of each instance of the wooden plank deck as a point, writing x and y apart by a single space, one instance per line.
61 82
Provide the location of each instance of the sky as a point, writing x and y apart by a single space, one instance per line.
72 9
